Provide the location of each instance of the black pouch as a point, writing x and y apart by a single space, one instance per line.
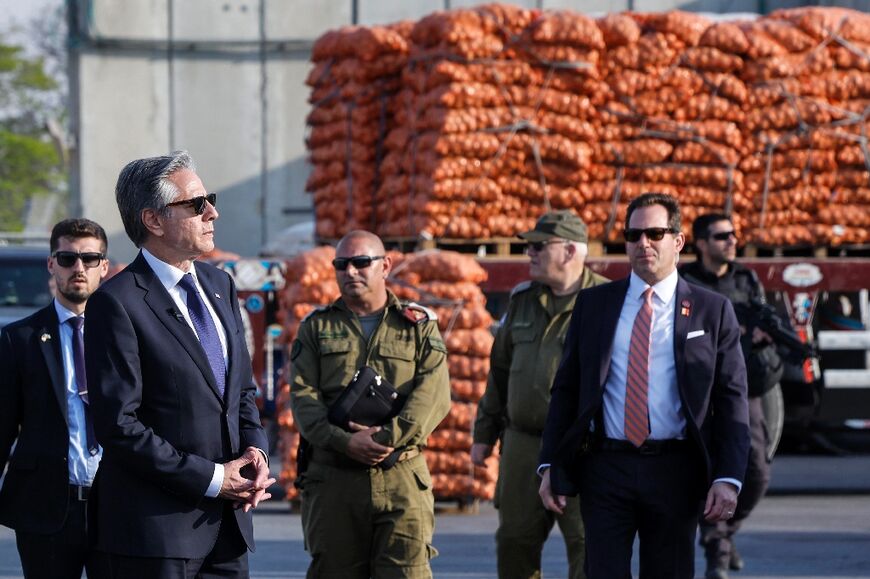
369 400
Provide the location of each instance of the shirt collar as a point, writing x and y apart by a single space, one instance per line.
63 314
169 275
664 290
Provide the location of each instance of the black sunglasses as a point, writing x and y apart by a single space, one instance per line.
357 261
723 235
652 233
541 245
198 203
69 258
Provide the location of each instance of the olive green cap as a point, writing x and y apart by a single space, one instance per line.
563 224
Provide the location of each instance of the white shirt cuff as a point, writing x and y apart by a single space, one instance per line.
733 481
542 468
217 480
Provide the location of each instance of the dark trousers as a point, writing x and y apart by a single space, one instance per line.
62 555
228 558
716 538
655 497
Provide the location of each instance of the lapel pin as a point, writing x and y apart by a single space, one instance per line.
685 308
217 295
45 337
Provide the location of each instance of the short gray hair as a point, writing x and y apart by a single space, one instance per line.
144 184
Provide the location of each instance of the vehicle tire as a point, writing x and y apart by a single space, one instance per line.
774 418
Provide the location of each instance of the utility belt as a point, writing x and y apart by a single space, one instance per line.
648 448
78 493
334 459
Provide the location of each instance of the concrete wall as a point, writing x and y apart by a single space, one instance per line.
225 80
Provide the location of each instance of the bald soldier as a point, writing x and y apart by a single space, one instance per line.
524 359
363 517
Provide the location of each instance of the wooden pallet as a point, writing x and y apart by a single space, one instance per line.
818 252
482 247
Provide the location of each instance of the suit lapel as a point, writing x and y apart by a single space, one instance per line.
49 343
684 308
609 320
160 302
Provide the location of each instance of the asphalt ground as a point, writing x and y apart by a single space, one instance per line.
814 523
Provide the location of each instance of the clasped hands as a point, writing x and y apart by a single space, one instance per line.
246 480
363 448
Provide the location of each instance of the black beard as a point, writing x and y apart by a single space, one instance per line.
75 297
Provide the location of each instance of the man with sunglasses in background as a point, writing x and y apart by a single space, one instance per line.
716 244
525 355
172 392
45 413
648 417
362 515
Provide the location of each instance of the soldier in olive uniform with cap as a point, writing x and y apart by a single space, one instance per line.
360 518
524 360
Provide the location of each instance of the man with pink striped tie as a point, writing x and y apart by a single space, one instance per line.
648 418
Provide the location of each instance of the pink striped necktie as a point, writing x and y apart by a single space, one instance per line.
637 381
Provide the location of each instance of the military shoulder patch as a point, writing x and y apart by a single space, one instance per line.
417 314
522 287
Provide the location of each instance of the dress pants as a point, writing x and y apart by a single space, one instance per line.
656 497
228 558
61 555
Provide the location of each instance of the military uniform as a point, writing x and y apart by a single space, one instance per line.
741 286
524 359
362 521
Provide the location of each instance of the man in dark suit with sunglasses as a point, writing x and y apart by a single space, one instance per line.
648 416
172 391
45 414
363 515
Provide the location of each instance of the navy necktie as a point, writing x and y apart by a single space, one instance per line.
78 348
205 330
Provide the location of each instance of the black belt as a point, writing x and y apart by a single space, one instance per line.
648 448
79 493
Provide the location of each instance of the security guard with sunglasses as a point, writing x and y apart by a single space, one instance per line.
361 518
524 359
45 415
715 269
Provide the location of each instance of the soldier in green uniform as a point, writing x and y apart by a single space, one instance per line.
360 518
524 359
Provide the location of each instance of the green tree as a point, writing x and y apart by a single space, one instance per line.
30 165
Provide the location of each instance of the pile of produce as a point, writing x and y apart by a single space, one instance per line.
500 113
448 283
353 84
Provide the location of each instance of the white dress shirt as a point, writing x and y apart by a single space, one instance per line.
169 277
82 466
666 419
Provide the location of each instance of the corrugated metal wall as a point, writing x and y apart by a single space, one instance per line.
225 80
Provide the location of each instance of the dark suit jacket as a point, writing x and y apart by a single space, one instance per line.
35 491
711 379
159 417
